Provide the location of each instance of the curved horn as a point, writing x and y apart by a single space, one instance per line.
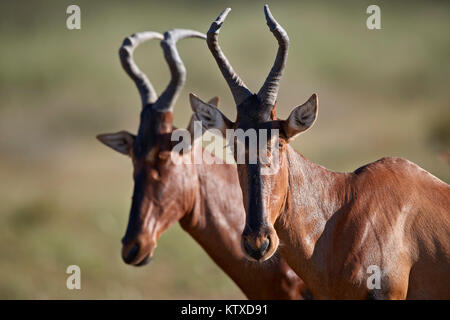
177 69
269 91
238 88
146 90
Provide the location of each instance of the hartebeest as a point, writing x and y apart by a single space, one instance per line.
166 191
336 228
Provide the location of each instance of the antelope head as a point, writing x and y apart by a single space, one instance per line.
264 194
158 181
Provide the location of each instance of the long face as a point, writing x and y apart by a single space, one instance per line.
263 170
263 196
157 202
161 186
164 184
261 176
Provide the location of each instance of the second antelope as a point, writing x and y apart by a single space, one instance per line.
166 192
334 226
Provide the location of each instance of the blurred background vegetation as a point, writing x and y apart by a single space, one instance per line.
65 198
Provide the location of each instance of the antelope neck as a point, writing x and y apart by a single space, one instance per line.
314 195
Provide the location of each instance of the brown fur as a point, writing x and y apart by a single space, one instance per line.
390 213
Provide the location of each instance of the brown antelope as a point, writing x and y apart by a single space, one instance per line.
166 192
335 227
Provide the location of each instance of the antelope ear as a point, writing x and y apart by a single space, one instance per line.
209 115
214 101
301 118
120 141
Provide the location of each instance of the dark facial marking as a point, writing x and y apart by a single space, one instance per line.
154 131
252 112
134 226
256 210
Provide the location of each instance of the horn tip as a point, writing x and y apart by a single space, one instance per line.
100 137
271 22
223 15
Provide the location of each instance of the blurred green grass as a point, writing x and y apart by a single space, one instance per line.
65 198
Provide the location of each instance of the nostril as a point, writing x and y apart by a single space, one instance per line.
264 246
259 252
248 248
131 254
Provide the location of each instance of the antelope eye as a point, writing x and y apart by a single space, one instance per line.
164 155
155 174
